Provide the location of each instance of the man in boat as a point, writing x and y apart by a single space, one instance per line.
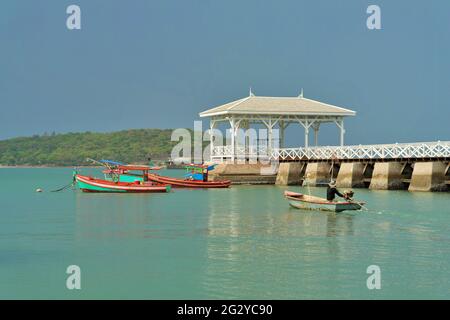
205 174
332 192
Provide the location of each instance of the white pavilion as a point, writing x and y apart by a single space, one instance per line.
273 113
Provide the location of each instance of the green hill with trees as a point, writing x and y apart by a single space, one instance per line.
131 146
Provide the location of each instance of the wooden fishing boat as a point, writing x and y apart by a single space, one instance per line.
196 177
127 173
306 202
90 184
187 183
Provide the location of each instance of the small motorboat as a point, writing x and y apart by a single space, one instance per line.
306 202
196 177
90 184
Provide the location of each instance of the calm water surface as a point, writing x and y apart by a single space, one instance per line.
243 242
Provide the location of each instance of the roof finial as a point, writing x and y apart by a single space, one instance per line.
301 94
251 93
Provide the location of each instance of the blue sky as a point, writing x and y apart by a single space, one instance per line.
156 64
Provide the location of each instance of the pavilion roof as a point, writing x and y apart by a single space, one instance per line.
254 105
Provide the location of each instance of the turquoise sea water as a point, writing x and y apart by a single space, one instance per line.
238 243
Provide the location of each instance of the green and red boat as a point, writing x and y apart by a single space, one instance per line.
196 177
126 179
121 178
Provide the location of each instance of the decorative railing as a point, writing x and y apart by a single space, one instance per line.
247 151
440 149
222 151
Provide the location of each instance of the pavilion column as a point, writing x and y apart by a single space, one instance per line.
270 124
232 125
269 136
212 124
340 124
246 126
305 124
282 127
316 133
342 133
306 134
236 141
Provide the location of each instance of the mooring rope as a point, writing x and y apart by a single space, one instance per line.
64 188
71 184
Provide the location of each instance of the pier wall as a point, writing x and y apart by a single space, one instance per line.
351 175
393 175
429 176
421 166
387 176
317 174
290 173
244 173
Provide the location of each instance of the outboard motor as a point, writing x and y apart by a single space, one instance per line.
348 194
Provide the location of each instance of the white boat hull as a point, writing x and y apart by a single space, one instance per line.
305 202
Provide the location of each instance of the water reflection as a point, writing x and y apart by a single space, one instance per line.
105 216
174 215
230 218
239 243
246 242
256 233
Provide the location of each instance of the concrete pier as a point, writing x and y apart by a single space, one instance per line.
290 173
387 176
351 175
317 174
244 173
428 176
393 175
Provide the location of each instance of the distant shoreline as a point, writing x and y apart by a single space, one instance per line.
71 149
44 166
